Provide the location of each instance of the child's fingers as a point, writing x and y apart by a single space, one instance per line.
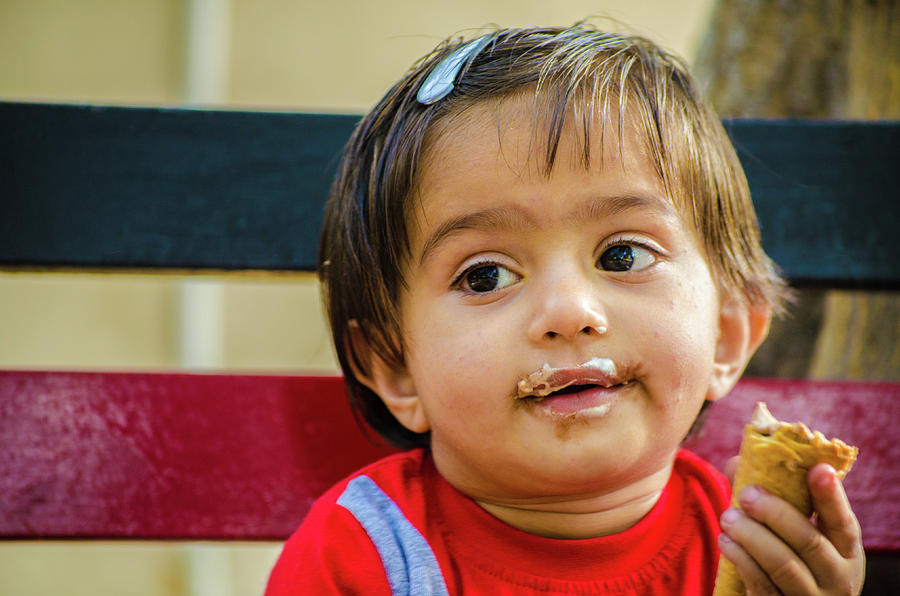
835 518
828 567
806 544
754 578
780 565
731 467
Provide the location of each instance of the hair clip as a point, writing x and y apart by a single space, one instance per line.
440 82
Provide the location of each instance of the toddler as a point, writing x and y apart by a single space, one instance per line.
540 260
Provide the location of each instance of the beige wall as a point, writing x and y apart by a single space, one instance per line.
342 55
336 56
92 50
133 321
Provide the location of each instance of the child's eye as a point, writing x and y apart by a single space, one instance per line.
625 257
486 277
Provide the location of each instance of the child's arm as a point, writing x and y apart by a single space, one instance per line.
777 550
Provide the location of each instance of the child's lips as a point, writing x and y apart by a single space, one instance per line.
596 373
591 401
587 390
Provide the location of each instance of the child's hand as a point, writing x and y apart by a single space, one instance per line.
778 551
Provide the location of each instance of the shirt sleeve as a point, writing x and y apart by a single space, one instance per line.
329 554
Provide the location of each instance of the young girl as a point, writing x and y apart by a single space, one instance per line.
540 259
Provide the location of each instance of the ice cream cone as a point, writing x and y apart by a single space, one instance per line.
777 456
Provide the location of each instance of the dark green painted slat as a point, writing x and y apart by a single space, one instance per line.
136 187
162 188
827 195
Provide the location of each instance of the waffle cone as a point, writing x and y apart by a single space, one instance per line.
778 459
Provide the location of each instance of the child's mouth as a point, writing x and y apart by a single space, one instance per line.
583 400
585 390
569 389
599 372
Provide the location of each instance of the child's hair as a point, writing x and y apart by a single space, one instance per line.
577 74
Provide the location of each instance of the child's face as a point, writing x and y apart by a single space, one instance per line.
511 271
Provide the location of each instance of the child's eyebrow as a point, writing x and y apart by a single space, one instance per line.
516 218
497 218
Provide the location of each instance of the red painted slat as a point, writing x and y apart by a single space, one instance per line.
133 455
154 455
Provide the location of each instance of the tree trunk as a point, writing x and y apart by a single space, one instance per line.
813 59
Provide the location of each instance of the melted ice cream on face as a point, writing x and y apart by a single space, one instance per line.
604 365
545 381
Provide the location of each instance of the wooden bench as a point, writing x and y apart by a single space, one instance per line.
161 455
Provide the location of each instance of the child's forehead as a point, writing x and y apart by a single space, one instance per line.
490 163
519 130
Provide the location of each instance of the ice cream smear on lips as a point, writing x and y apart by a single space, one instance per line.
590 386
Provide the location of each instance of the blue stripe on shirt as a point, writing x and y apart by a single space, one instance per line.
409 562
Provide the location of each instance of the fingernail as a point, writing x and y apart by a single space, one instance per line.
725 539
730 516
827 479
750 495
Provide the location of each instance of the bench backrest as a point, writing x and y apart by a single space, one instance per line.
161 455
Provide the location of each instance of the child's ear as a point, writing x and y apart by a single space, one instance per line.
393 384
742 328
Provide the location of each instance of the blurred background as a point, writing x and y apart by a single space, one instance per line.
834 58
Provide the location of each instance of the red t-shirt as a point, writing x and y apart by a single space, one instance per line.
397 527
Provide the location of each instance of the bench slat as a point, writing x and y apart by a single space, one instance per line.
211 456
145 188
112 187
133 455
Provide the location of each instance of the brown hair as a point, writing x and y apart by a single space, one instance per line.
576 73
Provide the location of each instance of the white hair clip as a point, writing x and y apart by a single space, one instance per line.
441 80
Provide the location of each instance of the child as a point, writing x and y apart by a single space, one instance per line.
540 260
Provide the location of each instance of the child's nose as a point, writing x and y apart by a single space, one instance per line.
568 311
